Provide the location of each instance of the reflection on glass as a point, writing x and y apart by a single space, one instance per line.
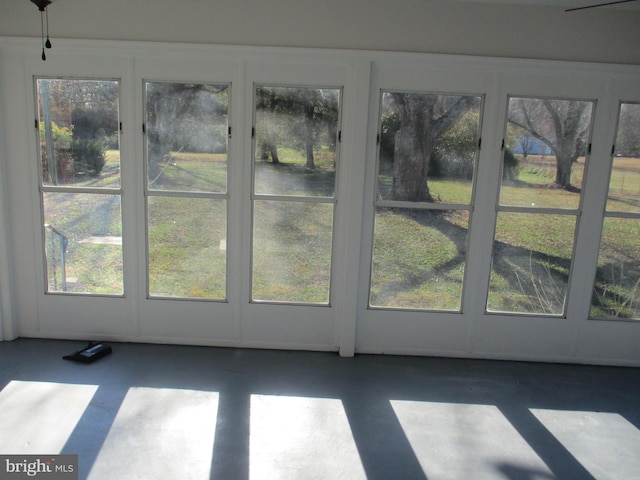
292 251
616 291
418 258
296 134
187 131
428 147
187 247
624 184
531 261
545 152
83 243
79 132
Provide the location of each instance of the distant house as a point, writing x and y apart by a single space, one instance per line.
533 146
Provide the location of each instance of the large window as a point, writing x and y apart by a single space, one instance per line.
616 292
428 147
295 162
79 149
544 162
187 132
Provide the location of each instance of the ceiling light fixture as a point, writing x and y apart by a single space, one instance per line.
42 6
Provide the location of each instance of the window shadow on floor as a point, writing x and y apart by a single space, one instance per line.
404 417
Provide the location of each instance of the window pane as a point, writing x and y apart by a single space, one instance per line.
624 185
187 132
187 247
545 154
292 251
616 292
418 258
295 140
79 132
531 261
428 147
83 243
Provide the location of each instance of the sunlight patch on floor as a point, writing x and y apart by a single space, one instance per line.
301 437
456 440
40 416
598 440
160 433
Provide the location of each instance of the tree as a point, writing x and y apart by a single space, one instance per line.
271 108
526 144
296 118
88 111
172 109
628 138
455 151
423 119
562 125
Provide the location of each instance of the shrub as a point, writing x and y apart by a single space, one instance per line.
88 157
455 151
511 166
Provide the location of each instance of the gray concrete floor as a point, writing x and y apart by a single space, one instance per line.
165 412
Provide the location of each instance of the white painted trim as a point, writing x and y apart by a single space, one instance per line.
7 319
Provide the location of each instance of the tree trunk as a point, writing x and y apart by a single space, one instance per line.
309 137
565 156
423 120
411 164
309 151
563 171
155 156
269 147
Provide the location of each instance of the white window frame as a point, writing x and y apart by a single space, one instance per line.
612 213
316 200
379 202
151 192
43 188
575 212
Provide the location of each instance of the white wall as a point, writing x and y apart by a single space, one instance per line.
519 30
6 315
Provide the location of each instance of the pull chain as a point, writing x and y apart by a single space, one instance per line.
44 57
48 42
42 6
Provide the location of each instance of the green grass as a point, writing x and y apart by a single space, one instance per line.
531 262
624 186
535 186
187 249
192 172
418 257
617 292
291 252
82 218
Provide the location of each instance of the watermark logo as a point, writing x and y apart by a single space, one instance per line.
50 467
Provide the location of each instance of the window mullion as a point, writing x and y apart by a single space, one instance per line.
542 210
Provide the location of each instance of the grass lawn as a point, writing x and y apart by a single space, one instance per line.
192 172
418 259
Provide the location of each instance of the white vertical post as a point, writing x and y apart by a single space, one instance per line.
352 196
